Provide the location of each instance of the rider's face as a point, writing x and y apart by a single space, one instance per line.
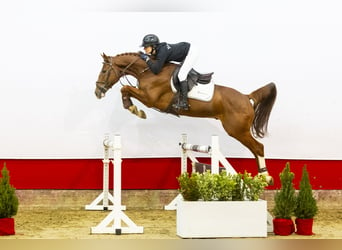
148 50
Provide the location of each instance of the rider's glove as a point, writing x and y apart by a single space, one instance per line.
144 57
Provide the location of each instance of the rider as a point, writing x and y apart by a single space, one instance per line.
164 52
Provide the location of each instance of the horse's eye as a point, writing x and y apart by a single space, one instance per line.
104 71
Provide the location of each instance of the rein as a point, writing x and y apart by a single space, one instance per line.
125 75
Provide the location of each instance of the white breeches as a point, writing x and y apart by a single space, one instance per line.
188 63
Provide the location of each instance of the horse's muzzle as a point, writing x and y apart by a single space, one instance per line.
99 94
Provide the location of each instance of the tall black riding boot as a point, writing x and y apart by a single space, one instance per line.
182 102
183 98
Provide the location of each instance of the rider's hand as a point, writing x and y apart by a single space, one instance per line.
145 57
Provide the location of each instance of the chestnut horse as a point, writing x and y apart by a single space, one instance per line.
242 116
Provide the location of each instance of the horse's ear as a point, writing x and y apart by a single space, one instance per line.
104 56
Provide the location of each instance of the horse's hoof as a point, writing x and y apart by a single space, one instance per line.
142 114
269 180
133 109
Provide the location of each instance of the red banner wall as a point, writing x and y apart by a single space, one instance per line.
152 173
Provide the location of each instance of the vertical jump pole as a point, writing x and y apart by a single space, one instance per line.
106 162
105 197
184 168
215 151
184 159
117 181
111 224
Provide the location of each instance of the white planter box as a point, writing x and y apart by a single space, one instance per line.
214 219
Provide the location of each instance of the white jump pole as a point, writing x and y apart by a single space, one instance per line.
217 157
214 155
111 224
101 202
184 168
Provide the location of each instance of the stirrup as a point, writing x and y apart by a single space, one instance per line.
178 106
184 106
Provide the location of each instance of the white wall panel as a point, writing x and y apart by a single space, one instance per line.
50 60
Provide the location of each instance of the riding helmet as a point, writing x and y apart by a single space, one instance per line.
150 40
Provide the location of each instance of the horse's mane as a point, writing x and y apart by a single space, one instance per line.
128 54
138 54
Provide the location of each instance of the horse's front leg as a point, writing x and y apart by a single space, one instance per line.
128 104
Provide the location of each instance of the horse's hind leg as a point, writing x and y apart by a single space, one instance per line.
257 150
243 135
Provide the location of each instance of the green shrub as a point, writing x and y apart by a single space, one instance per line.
254 186
238 192
188 186
222 187
8 199
206 186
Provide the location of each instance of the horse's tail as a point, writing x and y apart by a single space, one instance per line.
263 99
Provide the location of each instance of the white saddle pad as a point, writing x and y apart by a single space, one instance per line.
202 92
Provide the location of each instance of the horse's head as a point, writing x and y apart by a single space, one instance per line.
114 68
108 76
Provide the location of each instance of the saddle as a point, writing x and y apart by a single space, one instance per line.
200 87
193 78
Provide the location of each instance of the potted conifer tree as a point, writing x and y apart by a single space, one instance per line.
285 202
8 204
306 206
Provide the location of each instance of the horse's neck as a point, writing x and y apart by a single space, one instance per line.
139 69
150 80
165 74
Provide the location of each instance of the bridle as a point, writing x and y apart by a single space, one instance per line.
119 73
